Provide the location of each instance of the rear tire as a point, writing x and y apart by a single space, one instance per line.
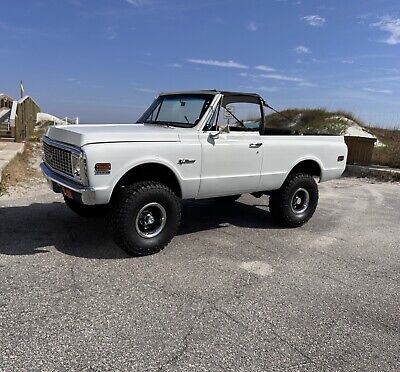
87 211
295 202
145 218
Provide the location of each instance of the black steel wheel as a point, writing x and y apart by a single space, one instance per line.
145 218
295 202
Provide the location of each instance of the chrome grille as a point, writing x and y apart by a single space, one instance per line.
58 159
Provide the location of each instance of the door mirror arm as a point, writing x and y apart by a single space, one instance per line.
214 135
221 130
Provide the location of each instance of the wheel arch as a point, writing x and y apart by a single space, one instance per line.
149 171
310 166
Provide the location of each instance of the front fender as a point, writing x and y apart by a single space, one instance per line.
145 160
126 156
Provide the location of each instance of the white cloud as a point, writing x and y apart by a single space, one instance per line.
302 50
306 84
261 88
315 20
211 62
281 77
146 90
264 68
267 89
243 74
392 26
347 61
252 26
362 18
382 91
175 65
138 2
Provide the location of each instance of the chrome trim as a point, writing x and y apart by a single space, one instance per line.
60 173
62 145
75 151
145 219
300 201
214 107
59 159
88 194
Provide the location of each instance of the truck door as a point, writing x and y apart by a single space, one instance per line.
232 158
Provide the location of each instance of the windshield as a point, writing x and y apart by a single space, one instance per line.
181 110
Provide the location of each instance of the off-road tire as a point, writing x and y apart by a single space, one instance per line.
228 199
126 208
280 201
87 211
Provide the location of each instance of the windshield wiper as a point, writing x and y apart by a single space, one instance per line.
158 122
167 124
174 124
170 124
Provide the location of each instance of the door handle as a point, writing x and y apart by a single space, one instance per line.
255 145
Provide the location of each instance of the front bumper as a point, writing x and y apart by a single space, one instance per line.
86 195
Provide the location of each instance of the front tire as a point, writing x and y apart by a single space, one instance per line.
295 202
145 218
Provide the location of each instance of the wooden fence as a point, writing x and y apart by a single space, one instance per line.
360 150
23 118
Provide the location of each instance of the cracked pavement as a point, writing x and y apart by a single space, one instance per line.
232 292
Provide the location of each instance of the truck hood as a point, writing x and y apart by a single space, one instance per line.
80 135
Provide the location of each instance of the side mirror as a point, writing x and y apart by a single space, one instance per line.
222 129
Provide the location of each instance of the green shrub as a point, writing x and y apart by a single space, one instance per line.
311 121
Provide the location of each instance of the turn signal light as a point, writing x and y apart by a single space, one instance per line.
102 168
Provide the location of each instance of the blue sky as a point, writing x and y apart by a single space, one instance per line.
105 60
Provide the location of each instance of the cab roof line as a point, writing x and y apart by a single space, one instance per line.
211 92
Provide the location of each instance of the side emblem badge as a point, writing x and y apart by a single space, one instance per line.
186 161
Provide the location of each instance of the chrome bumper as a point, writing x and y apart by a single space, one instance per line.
57 181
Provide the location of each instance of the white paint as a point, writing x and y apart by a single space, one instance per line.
257 267
322 241
224 163
13 114
43 117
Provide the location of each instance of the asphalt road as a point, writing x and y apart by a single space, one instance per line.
232 292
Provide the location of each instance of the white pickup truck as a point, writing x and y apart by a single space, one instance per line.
187 145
